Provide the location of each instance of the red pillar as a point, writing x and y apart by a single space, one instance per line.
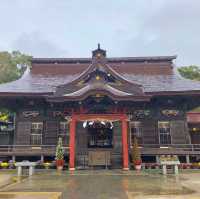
125 144
72 131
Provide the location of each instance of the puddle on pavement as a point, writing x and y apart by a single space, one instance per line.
12 181
101 186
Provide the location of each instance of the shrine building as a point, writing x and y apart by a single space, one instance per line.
98 105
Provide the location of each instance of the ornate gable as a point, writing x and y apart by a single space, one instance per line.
99 79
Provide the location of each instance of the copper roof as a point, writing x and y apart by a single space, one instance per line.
153 75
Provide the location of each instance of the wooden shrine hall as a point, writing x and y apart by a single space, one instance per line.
98 105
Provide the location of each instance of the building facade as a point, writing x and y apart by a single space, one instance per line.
98 105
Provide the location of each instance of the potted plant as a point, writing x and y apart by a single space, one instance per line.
136 157
59 155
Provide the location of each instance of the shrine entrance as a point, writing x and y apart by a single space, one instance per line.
99 134
98 141
94 144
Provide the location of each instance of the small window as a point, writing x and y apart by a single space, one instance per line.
36 133
64 132
136 131
164 132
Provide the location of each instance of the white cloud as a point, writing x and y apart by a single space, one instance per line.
37 45
124 27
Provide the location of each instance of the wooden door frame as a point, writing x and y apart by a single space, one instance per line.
112 117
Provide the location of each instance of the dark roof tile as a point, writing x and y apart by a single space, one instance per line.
47 74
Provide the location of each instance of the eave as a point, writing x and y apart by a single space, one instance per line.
174 93
25 94
99 92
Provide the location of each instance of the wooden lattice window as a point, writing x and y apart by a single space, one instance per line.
36 133
64 132
164 132
136 131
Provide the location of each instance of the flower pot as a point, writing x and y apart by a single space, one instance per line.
59 168
60 164
138 167
137 164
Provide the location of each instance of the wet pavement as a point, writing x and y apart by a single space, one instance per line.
29 195
6 177
115 184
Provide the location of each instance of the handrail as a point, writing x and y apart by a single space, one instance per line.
12 148
20 145
187 147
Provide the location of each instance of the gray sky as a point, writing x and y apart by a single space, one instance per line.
72 28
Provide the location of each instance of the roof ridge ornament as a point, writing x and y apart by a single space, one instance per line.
98 53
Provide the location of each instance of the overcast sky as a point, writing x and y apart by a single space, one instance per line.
72 28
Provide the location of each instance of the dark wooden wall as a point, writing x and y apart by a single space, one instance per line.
6 137
50 134
149 132
179 131
116 156
150 135
23 131
50 126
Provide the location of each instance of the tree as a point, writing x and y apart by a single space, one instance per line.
190 72
13 65
136 156
59 155
59 150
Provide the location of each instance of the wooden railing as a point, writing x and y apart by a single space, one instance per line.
185 147
51 148
29 148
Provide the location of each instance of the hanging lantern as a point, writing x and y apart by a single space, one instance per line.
111 125
84 124
91 123
102 122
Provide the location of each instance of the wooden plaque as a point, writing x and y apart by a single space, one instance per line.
99 158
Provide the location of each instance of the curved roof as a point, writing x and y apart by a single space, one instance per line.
133 76
99 78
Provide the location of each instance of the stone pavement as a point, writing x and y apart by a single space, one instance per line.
5 178
29 195
111 185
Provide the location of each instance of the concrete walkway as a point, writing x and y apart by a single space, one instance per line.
29 195
111 184
5 178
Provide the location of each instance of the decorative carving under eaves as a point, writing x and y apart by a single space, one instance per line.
30 113
170 112
142 113
68 118
139 114
58 114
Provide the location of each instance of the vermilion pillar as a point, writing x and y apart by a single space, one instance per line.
72 144
125 144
